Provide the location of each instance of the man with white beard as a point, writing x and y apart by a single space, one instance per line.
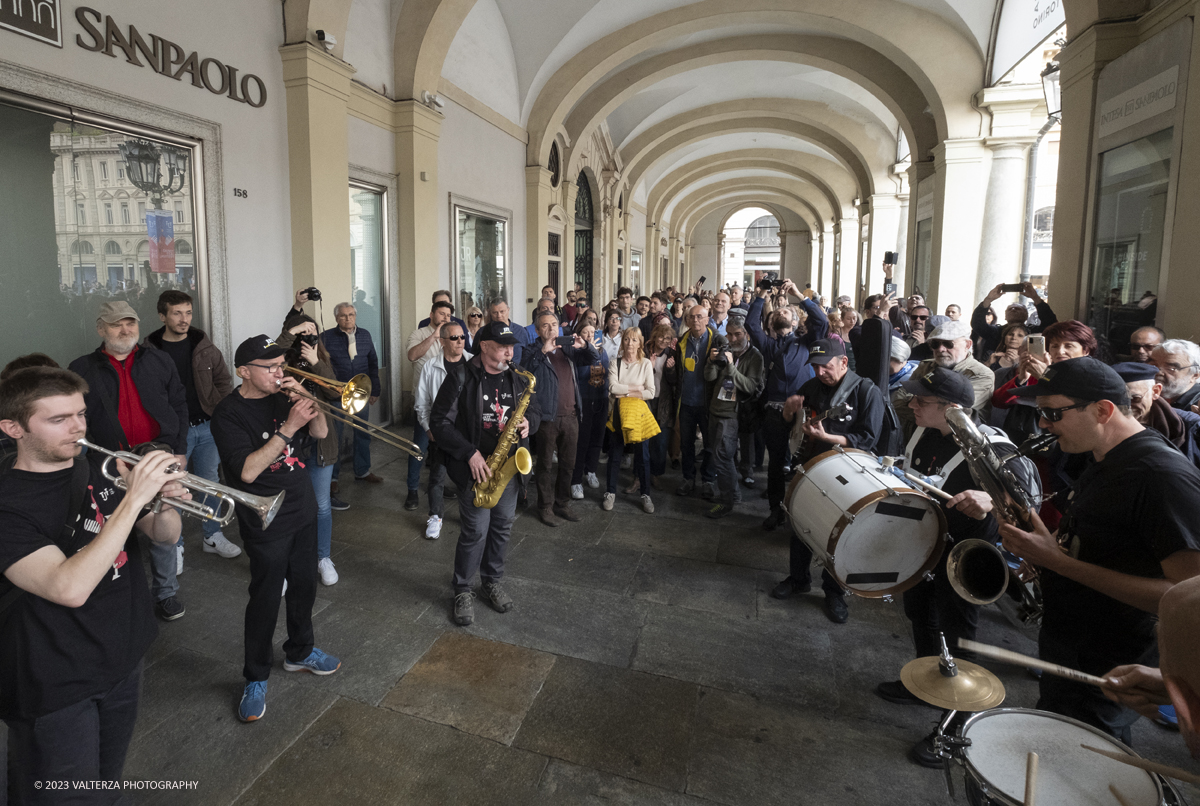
1178 363
951 345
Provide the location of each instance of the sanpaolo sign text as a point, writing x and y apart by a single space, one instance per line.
167 59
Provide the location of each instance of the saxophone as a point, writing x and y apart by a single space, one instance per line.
503 466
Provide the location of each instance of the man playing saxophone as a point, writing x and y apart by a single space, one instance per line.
469 421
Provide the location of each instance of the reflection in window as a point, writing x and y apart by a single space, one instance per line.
1130 217
67 250
480 274
368 267
924 265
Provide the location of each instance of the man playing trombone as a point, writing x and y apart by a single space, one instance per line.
262 430
76 615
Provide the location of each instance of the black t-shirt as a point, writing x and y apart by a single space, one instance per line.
181 353
52 656
1126 513
931 453
497 391
240 427
861 426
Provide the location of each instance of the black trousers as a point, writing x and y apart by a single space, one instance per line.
1077 700
800 567
86 741
292 557
935 609
776 431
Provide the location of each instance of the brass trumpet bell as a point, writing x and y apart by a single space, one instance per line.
355 392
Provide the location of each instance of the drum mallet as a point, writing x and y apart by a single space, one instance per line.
1031 765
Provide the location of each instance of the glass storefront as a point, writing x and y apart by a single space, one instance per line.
1130 217
90 214
481 268
368 277
920 277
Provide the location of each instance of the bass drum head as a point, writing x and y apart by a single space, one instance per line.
1068 775
893 540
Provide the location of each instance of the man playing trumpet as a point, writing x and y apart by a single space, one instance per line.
262 429
77 612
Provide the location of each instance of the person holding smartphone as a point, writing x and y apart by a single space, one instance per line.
553 360
988 334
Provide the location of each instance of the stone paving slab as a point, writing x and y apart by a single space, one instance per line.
481 687
751 547
559 557
666 536
722 589
363 755
614 720
572 785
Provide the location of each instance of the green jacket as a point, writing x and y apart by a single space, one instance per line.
748 380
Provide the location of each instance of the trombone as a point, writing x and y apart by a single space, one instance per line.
353 400
267 507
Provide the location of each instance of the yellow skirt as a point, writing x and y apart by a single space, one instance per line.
635 420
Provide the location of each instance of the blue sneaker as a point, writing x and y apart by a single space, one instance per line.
254 701
1167 717
317 662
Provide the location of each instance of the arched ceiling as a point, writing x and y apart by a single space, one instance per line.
699 97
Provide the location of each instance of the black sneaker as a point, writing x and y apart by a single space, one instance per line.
169 609
923 753
720 511
338 504
894 691
411 501
464 608
777 518
789 587
836 609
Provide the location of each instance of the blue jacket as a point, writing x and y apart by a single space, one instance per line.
786 359
546 395
338 345
594 398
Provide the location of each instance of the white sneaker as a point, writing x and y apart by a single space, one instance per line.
328 573
217 544
178 560
284 591
592 481
433 527
609 499
647 504
577 491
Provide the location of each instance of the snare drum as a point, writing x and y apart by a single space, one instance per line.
1068 775
872 532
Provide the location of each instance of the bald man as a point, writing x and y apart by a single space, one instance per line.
1177 680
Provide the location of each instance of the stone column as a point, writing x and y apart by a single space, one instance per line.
918 202
674 269
957 220
538 200
829 279
1003 216
650 262
317 87
898 274
885 225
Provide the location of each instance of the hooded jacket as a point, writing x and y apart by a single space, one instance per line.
209 373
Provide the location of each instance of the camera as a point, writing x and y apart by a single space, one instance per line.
314 293
891 258
770 280
721 345
309 338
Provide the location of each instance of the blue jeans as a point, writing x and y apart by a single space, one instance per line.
362 447
321 476
421 438
202 455
691 418
658 451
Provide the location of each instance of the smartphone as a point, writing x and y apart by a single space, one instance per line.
1012 288
1037 345
890 258
564 341
702 279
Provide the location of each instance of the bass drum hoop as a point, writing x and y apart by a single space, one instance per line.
988 791
858 506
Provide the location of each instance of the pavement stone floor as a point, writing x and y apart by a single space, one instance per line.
643 663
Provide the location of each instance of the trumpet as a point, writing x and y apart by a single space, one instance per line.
355 392
266 507
346 416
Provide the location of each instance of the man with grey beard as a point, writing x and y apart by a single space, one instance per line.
1178 363
135 396
951 345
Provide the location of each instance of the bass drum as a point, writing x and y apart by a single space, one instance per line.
1068 775
873 533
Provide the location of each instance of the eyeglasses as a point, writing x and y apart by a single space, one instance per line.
1054 415
453 338
1173 368
1141 347
474 316
272 368
942 344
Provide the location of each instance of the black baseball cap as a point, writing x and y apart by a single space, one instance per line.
930 380
1081 378
824 349
1133 371
257 348
498 332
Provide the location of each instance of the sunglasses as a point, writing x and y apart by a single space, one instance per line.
475 316
453 338
935 344
1054 415
919 318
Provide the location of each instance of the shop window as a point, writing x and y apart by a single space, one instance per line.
920 278
480 255
368 277
67 260
1131 213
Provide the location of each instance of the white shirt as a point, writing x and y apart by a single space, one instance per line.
435 350
432 374
612 345
352 343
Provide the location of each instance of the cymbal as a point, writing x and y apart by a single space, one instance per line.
974 688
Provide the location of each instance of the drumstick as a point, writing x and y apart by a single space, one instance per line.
1148 766
1031 765
1121 799
996 653
927 486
